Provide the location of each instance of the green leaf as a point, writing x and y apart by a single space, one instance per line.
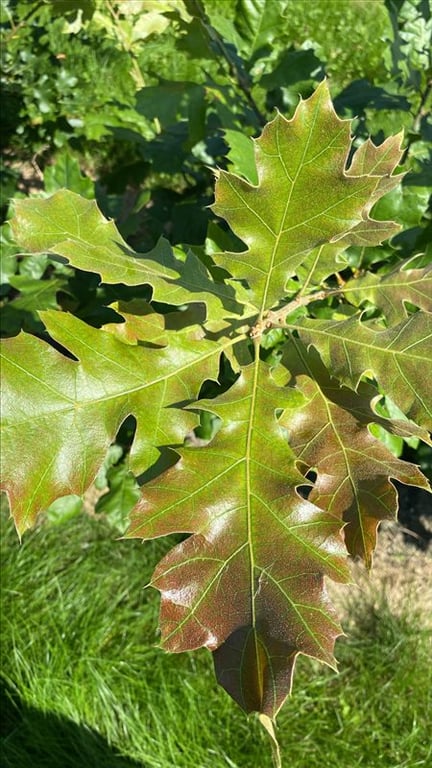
35 295
140 322
114 455
394 357
9 251
407 205
147 24
392 291
306 197
69 226
241 155
172 102
293 68
121 497
61 7
66 173
61 414
64 509
257 23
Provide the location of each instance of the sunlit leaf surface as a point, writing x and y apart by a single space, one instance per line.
291 478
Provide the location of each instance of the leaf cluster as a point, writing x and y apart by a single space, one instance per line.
248 583
245 374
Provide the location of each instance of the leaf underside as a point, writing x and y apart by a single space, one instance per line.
248 582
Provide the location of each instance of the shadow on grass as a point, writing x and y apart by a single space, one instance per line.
32 739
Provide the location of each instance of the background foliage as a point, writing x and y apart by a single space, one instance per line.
134 103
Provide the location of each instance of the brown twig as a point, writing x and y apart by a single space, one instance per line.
276 319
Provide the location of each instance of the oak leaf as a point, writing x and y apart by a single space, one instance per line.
249 581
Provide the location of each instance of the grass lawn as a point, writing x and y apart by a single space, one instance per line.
83 683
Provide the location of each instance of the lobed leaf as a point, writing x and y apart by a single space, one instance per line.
330 435
61 414
390 293
249 583
69 226
394 357
306 196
